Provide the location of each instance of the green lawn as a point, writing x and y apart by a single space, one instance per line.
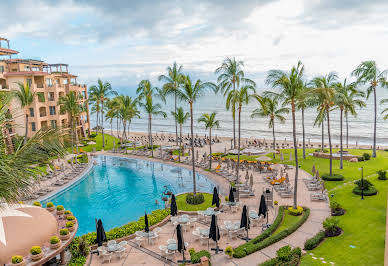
242 157
98 139
362 242
288 220
183 206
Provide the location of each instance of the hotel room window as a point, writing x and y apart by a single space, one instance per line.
32 114
33 127
52 110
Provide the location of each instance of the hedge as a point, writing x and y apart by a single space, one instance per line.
292 258
266 239
314 241
333 177
196 257
371 191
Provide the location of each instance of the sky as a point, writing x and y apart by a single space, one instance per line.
124 42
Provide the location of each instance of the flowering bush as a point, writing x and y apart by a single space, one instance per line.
60 208
17 259
49 205
63 232
295 212
35 250
69 224
37 203
54 240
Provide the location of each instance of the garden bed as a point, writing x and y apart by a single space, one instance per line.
184 206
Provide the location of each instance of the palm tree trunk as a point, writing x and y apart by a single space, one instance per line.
341 146
304 138
97 117
238 152
152 145
234 128
176 123
273 135
25 135
180 143
374 126
329 136
323 136
210 147
102 124
117 127
347 131
111 127
192 149
76 136
72 134
296 156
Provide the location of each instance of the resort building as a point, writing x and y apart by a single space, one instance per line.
49 82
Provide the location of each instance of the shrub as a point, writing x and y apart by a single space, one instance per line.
366 156
49 205
69 224
70 218
333 177
191 251
64 232
196 257
382 174
314 241
83 158
331 225
320 150
195 200
54 240
67 212
60 208
371 191
17 259
366 183
284 253
37 203
229 251
286 257
295 212
360 158
35 250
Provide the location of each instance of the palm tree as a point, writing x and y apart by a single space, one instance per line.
26 97
304 101
240 97
126 112
152 110
17 169
230 77
190 92
102 91
344 99
180 117
354 100
210 122
171 85
290 85
325 92
367 72
146 90
273 111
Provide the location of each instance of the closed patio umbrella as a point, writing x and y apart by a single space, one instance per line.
290 158
101 236
313 170
214 232
251 181
263 207
146 229
231 195
244 223
216 198
181 243
246 176
174 207
281 157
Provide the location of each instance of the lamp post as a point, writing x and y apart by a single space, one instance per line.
362 182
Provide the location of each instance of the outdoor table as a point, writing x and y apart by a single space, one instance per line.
210 212
183 220
253 216
113 248
172 247
229 203
149 234
204 232
232 227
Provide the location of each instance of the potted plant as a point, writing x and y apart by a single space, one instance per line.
64 234
276 203
50 206
37 204
229 251
60 209
67 213
36 253
71 218
18 260
70 226
55 242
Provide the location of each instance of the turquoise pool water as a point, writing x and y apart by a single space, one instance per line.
119 190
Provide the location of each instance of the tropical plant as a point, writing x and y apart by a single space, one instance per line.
26 96
230 77
102 91
240 97
190 92
180 117
368 73
290 85
304 101
172 81
325 93
127 110
345 99
269 107
17 169
210 122
69 103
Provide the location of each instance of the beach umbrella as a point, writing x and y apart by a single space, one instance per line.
231 195
287 178
290 159
101 236
313 170
317 175
246 177
216 198
174 208
197 155
244 223
281 157
146 229
263 206
251 181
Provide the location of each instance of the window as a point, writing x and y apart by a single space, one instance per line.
52 110
1 69
32 114
54 123
27 68
33 127
49 82
35 69
65 81
51 96
29 82
41 97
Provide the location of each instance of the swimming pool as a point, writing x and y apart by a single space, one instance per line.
119 190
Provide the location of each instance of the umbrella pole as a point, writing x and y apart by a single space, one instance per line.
217 249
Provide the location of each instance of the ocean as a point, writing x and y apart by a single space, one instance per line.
360 127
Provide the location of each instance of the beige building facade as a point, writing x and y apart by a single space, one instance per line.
49 82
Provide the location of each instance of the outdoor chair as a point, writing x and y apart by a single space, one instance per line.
120 253
171 241
106 256
163 250
139 241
